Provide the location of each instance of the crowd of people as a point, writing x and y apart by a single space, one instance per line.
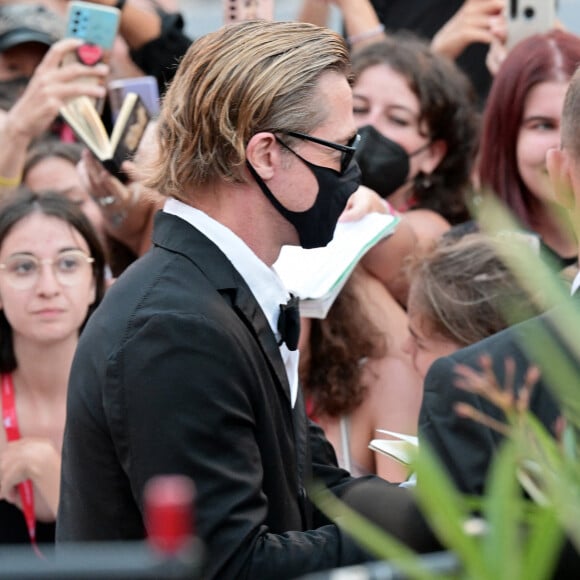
144 329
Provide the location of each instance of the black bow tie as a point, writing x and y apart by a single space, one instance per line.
289 323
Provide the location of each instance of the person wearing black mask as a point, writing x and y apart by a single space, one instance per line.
418 123
186 367
315 226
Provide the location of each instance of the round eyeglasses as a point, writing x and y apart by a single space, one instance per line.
22 271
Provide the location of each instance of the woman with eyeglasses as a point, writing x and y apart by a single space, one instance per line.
51 278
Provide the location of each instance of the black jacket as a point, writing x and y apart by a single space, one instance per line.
465 446
178 371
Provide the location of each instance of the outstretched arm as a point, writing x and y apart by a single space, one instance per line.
475 21
315 12
361 22
386 259
127 209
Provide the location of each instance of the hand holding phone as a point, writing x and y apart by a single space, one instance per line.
97 26
238 10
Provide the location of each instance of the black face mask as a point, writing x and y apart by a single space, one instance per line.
10 91
384 164
316 225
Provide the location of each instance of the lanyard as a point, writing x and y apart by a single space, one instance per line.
10 422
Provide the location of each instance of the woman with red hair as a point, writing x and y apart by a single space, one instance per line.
521 122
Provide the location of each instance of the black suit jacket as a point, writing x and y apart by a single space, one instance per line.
465 446
178 371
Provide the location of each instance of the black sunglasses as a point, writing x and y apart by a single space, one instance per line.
347 150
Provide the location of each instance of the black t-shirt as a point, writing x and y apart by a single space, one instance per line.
425 18
13 527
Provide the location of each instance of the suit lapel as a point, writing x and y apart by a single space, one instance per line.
176 235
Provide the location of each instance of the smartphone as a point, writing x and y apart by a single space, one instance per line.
527 17
146 87
94 23
237 10
97 25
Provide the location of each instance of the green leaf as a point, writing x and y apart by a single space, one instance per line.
447 511
503 512
557 352
543 545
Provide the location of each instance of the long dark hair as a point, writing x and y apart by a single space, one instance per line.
553 56
339 345
22 203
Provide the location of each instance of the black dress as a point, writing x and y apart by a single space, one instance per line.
425 18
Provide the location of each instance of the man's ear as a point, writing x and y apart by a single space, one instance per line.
558 165
436 152
263 154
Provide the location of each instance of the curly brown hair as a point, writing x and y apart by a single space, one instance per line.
339 346
448 109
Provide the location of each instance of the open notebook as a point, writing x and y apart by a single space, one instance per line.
316 276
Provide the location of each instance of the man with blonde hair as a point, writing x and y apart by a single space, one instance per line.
190 366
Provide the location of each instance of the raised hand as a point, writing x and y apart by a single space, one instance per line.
476 21
363 201
50 87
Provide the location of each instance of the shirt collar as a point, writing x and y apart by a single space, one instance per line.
265 284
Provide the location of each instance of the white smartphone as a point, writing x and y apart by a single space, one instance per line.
237 10
527 17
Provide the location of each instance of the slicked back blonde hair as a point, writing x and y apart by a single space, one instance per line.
232 83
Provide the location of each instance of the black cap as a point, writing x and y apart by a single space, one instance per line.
20 23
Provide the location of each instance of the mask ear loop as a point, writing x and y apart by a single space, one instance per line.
410 198
422 180
421 149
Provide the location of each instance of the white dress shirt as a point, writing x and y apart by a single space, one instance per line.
264 282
